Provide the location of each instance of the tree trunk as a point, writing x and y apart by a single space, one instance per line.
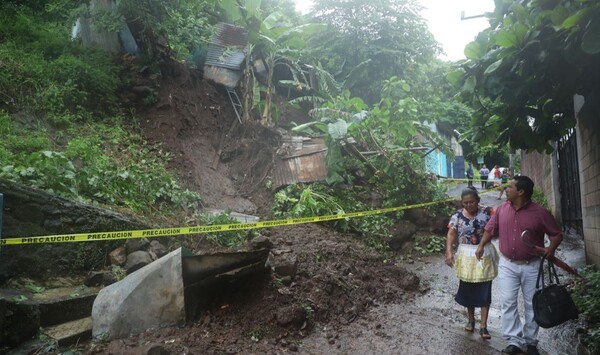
248 91
266 116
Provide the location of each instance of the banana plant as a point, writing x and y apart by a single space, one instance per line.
272 38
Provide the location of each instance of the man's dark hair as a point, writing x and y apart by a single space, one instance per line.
470 191
526 184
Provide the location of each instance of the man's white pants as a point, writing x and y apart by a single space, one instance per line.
511 278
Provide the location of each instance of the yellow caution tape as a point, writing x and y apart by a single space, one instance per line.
476 180
168 232
465 179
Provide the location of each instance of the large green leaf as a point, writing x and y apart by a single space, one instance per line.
559 15
338 130
357 118
253 8
267 39
454 76
520 32
303 127
470 83
590 42
275 19
574 19
232 10
506 39
473 50
521 12
493 67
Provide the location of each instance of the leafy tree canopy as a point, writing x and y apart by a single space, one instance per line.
382 38
523 71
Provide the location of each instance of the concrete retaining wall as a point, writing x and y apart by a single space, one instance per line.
30 212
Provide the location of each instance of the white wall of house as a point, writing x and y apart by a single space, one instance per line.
456 147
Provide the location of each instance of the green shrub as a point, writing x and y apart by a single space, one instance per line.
228 239
41 70
20 25
301 200
586 295
104 164
69 85
88 82
305 201
432 244
20 142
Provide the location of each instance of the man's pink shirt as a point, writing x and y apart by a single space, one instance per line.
508 224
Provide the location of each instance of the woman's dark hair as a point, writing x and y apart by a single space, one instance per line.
470 191
524 183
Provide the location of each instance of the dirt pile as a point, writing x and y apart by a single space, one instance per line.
337 280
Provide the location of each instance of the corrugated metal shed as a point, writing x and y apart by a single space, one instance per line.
226 53
306 162
227 48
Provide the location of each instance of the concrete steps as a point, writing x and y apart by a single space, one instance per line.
71 332
36 320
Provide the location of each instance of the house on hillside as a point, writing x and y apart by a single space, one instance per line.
437 162
570 180
94 36
226 54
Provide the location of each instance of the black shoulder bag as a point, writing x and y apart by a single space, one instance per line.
552 304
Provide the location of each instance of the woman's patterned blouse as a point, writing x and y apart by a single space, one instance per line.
470 230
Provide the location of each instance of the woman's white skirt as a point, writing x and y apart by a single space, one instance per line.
469 269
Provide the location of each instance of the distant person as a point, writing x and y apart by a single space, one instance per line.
496 174
466 228
504 177
470 175
483 173
518 269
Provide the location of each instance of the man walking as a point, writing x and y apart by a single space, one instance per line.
518 267
470 175
484 172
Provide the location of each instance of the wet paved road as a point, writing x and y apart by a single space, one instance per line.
433 323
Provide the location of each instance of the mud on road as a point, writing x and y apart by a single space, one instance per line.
336 281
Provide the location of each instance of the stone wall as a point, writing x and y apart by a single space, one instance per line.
29 212
543 170
588 150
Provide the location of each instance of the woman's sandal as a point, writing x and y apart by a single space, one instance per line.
470 326
484 333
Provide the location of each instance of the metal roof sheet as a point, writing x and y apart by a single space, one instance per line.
306 164
227 48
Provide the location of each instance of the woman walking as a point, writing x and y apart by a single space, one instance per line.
475 286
